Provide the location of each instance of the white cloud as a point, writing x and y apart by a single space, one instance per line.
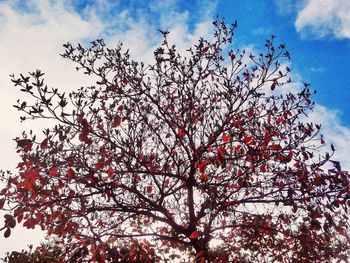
317 69
285 7
32 35
334 133
32 38
262 31
324 18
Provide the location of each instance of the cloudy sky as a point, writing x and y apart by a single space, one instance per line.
316 32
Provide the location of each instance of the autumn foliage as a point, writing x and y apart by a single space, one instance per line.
202 157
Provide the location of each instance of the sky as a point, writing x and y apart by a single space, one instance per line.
316 33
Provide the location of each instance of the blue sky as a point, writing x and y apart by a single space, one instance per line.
319 55
316 32
323 61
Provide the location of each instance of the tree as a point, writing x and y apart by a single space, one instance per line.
54 253
204 157
43 254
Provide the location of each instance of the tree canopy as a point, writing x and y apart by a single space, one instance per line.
202 157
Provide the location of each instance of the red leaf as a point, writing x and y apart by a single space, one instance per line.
31 178
100 164
181 132
117 121
281 185
201 164
100 126
4 191
23 143
230 203
237 148
2 203
166 183
250 112
70 174
28 147
263 168
8 218
289 156
267 138
233 186
336 165
34 196
149 189
19 218
341 231
7 232
237 123
198 256
22 184
125 81
273 86
275 147
195 235
225 137
82 137
171 107
110 171
203 177
247 139
53 171
101 82
43 144
205 49
221 152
